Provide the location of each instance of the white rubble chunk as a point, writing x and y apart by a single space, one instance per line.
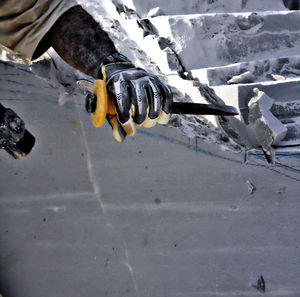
277 77
244 78
154 12
267 129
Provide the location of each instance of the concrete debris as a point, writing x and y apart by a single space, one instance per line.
245 156
267 129
146 25
244 78
251 187
270 155
277 77
128 12
257 281
154 12
175 121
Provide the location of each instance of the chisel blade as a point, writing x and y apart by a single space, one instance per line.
203 109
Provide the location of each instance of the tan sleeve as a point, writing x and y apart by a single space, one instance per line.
24 23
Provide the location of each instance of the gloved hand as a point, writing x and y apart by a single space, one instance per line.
135 97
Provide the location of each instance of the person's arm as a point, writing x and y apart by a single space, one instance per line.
79 40
292 4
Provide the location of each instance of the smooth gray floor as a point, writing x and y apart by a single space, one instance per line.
160 215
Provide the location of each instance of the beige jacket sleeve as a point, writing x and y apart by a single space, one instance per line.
23 23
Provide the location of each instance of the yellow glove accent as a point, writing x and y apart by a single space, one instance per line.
99 115
116 128
105 109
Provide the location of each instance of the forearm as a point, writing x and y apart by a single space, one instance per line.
80 41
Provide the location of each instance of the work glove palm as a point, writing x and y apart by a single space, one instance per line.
135 98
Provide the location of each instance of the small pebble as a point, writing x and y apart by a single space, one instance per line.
251 188
157 201
281 191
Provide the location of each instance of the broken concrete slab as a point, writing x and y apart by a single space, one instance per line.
285 108
213 40
269 131
263 70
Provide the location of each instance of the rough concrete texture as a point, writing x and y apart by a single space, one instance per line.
159 215
215 40
203 6
262 70
284 111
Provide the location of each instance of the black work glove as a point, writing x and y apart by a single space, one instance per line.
135 96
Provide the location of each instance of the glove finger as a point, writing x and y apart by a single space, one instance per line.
148 123
121 97
119 93
168 97
139 100
118 132
167 103
156 99
129 127
155 103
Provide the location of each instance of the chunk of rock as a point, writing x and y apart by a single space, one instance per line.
267 129
244 78
277 77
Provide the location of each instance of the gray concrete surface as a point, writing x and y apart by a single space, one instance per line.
160 215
